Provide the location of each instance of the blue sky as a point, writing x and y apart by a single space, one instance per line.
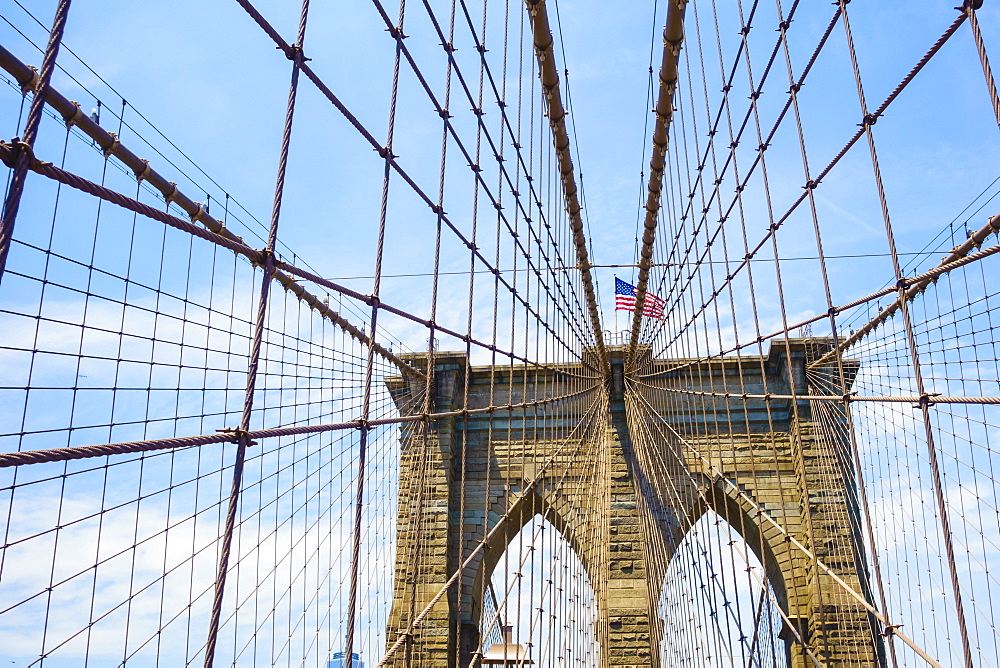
207 82
208 78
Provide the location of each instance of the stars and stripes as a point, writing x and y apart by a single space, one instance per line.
625 300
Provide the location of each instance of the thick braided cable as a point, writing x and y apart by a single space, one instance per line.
673 37
359 499
970 7
549 77
40 84
258 336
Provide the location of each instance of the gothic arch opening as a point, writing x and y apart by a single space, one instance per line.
540 588
716 604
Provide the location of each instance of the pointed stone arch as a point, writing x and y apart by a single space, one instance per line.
552 508
545 592
774 475
747 625
621 507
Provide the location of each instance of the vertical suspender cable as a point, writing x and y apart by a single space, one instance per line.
41 86
924 403
243 440
359 499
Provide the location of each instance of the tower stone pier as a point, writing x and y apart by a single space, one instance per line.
623 468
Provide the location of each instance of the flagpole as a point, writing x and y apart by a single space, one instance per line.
616 309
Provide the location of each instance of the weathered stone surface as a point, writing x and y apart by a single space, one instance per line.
624 500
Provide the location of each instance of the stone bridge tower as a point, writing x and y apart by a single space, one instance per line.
621 486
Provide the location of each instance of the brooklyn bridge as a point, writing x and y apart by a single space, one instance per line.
318 349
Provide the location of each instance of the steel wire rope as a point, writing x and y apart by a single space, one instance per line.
198 213
911 343
366 399
701 381
156 129
202 216
673 36
734 143
31 370
906 282
86 306
702 60
739 363
644 441
811 531
415 622
477 109
936 47
941 417
547 514
296 56
714 410
947 230
790 539
968 437
516 139
12 199
67 178
970 7
696 340
543 43
479 44
481 128
463 442
434 207
575 144
644 445
243 521
694 354
714 124
134 546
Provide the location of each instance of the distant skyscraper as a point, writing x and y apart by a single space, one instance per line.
339 660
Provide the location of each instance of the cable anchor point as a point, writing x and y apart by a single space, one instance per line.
239 435
890 630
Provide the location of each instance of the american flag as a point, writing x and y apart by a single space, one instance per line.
625 300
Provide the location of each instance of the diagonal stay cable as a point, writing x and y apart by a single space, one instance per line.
717 477
391 159
869 119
